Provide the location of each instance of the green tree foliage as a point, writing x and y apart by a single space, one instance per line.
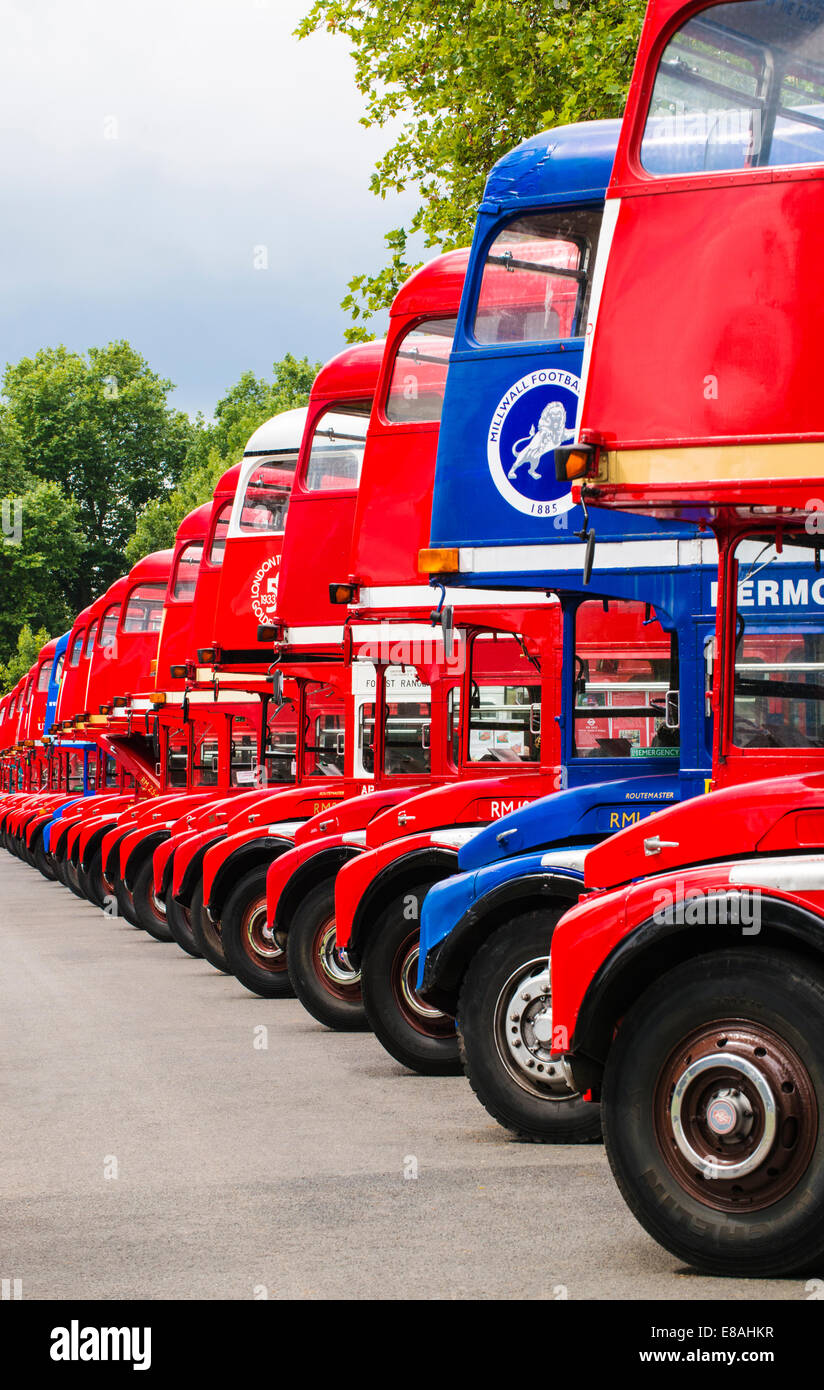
27 648
38 565
468 80
99 426
91 449
216 446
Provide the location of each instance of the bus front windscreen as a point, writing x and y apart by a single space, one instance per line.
778 684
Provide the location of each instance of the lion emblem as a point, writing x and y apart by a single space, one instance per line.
552 431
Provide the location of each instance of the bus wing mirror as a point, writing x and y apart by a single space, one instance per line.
535 719
581 678
673 710
448 623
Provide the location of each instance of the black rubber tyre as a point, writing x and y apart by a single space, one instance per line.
73 880
258 963
60 871
206 936
93 884
150 914
123 901
416 1035
506 1063
179 919
326 986
43 861
760 1005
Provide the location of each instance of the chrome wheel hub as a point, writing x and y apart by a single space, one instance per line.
727 1114
523 1028
334 963
408 980
262 941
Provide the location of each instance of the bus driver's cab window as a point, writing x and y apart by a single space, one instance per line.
323 751
625 667
778 699
505 705
407 725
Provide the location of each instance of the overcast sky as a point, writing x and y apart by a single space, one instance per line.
152 152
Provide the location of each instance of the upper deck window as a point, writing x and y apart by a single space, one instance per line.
740 86
90 636
45 676
338 444
266 499
108 627
218 546
144 611
536 280
418 382
188 564
77 648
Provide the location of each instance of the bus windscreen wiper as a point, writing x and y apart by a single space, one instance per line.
753 572
511 263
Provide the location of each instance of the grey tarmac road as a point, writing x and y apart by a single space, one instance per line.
244 1171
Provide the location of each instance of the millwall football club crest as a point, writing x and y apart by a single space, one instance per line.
536 416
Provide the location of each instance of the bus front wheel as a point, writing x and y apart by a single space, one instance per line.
711 1105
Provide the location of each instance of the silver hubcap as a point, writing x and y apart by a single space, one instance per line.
261 940
523 1031
334 963
728 1114
409 976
